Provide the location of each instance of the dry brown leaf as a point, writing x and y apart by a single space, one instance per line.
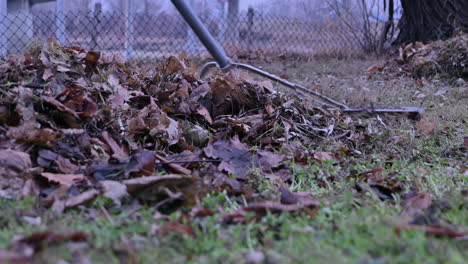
435 230
374 68
416 205
266 84
142 163
426 127
14 171
136 184
37 241
113 190
319 155
174 65
60 106
14 257
308 206
47 74
81 198
236 158
173 167
64 165
63 179
29 189
28 132
117 151
14 164
175 227
201 110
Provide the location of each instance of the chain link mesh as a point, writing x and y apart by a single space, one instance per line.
157 36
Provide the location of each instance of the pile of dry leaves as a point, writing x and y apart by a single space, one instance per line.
76 125
446 59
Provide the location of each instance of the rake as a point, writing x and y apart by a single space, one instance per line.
223 62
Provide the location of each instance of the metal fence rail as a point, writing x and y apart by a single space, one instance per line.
144 37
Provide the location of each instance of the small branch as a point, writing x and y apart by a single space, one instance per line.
189 161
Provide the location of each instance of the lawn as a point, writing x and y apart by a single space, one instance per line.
357 221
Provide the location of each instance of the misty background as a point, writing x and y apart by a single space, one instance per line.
153 28
306 9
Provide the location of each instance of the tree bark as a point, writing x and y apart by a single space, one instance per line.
428 20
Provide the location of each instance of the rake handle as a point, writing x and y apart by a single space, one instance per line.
202 33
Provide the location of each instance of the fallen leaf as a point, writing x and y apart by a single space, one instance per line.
14 257
426 127
309 207
113 190
174 65
201 110
416 205
435 230
40 240
374 68
14 164
236 159
268 160
117 151
64 179
14 171
175 227
81 198
139 164
91 60
172 166
137 184
61 107
65 166
28 132
321 156
197 136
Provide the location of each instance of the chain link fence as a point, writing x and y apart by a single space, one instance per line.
143 37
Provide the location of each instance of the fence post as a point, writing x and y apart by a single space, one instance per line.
129 8
250 23
233 21
3 28
95 31
60 21
222 21
192 42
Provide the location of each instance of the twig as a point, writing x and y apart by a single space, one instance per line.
189 161
34 85
107 215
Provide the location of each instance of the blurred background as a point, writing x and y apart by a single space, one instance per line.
149 29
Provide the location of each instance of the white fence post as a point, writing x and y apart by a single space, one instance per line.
3 28
60 21
192 42
95 21
129 10
222 21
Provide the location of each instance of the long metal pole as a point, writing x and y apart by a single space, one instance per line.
3 28
203 34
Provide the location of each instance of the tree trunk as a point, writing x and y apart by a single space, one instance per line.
427 20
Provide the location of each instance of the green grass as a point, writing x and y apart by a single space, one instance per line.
353 228
350 226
